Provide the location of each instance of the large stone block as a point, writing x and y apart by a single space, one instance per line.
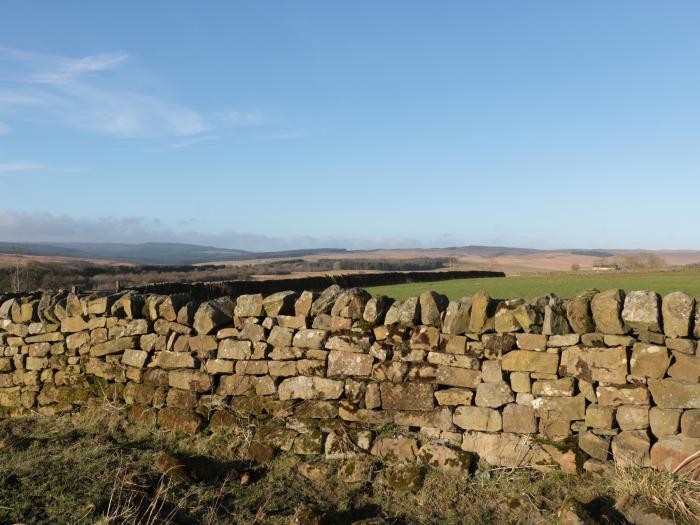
578 312
529 361
519 419
351 303
690 423
606 308
677 309
310 338
623 395
671 393
457 318
664 421
596 446
685 367
445 459
668 452
407 396
280 303
316 388
249 305
477 418
642 310
454 376
190 380
493 395
213 314
432 306
649 360
607 365
349 364
503 449
178 420
480 311
631 448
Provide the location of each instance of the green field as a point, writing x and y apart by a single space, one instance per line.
564 285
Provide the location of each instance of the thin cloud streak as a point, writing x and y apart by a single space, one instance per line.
20 166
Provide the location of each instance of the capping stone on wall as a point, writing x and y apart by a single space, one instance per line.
619 373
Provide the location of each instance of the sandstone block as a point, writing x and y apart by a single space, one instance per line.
568 408
642 310
249 305
649 360
480 311
596 446
685 368
316 388
606 308
233 349
632 417
477 418
73 324
114 346
310 338
213 314
349 364
631 448
407 396
282 368
178 420
324 302
376 309
532 341
457 317
189 380
280 303
173 360
668 452
559 387
445 459
395 450
519 419
671 393
664 421
678 309
520 382
135 358
529 361
578 312
607 365
599 416
493 395
461 377
219 366
690 423
454 396
623 395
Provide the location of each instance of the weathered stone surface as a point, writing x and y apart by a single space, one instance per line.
213 314
493 395
632 417
596 446
114 346
528 317
407 396
439 418
599 416
532 341
457 317
135 358
405 477
671 393
555 321
190 380
519 419
690 423
668 452
507 450
445 459
477 418
568 408
325 301
529 361
623 395
349 364
649 360
678 309
642 310
173 360
432 305
280 303
395 450
310 338
316 388
505 321
351 303
608 365
454 376
454 396
685 368
558 388
178 420
376 309
249 305
73 324
578 312
606 308
302 306
631 448
664 421
480 311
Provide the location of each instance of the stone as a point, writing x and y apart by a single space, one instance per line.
606 308
491 371
454 396
178 420
395 450
480 311
494 345
457 317
599 416
173 360
477 418
220 366
459 361
568 408
253 368
407 396
607 365
596 446
649 360
302 306
280 303
425 338
249 305
211 315
446 459
669 452
519 419
528 317
617 340
622 395
349 343
493 395
73 324
664 421
310 338
504 449
678 309
578 312
356 470
631 448
454 376
376 309
642 310
349 364
681 345
690 423
632 417
530 361
409 312
316 388
324 302
405 477
233 349
557 341
520 382
505 321
351 303
114 346
555 321
532 341
671 393
685 368
190 380
558 387
135 358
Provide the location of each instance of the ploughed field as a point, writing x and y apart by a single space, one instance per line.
565 285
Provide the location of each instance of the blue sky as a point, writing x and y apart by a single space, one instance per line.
364 124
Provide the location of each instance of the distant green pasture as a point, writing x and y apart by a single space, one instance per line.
564 284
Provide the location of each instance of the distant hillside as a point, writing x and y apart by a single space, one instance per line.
149 253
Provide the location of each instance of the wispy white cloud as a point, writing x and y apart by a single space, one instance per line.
4 129
95 93
20 166
289 135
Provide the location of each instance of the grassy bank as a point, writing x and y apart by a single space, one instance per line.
563 284
98 470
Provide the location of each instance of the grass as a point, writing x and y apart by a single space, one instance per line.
98 469
565 285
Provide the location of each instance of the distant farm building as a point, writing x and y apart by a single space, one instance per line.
606 267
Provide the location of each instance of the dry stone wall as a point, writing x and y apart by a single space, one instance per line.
337 372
